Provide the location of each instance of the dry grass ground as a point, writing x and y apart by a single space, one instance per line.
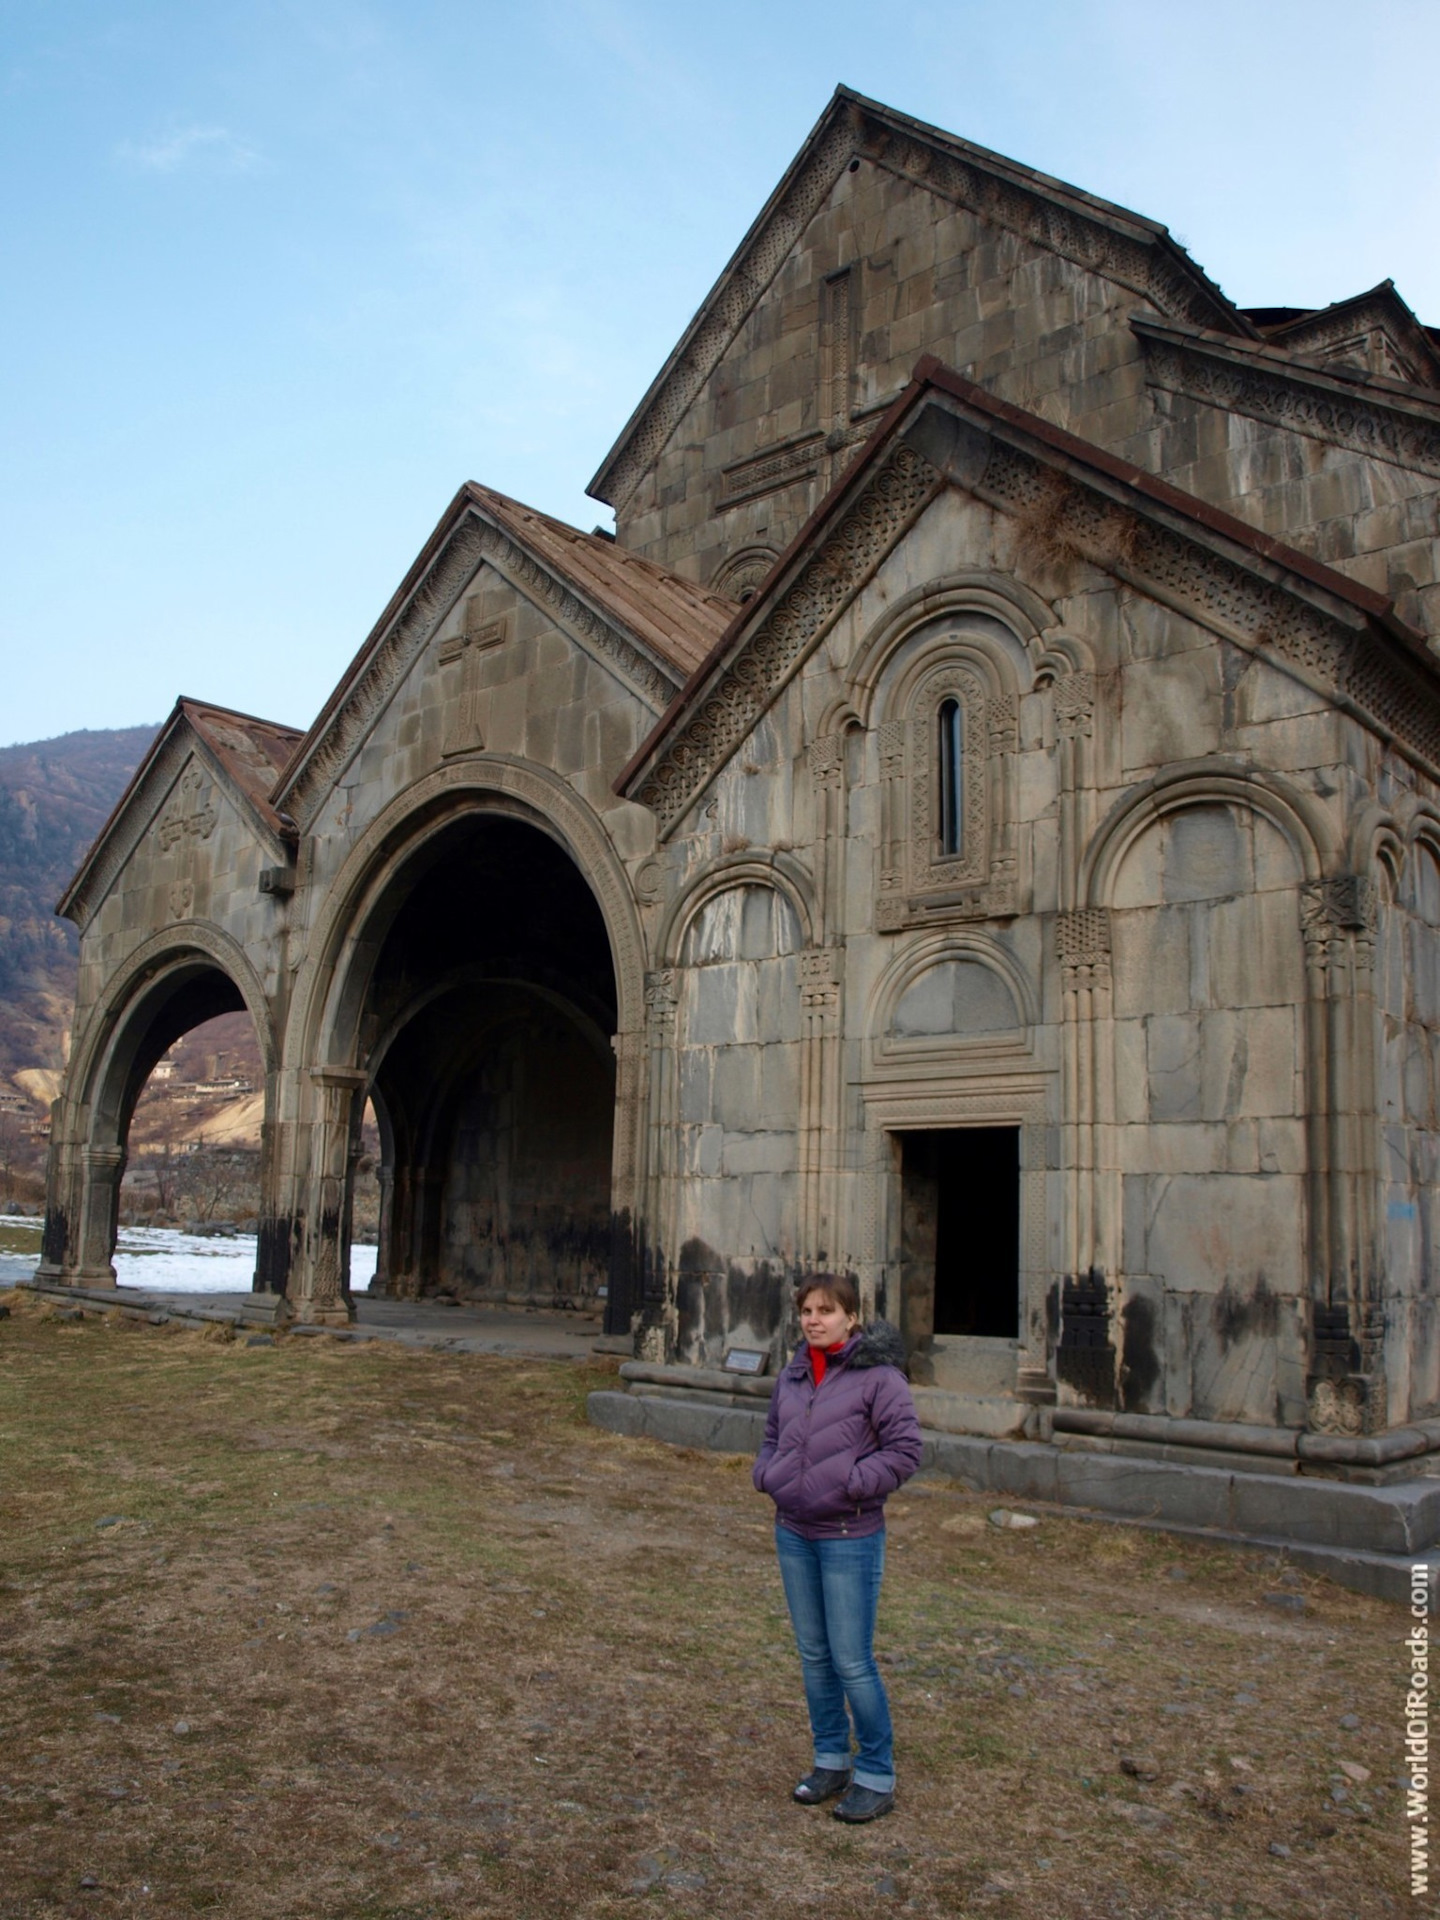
370 1634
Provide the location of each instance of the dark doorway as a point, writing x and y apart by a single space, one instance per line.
960 1233
489 1016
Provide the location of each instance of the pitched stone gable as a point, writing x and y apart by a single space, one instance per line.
1339 638
851 133
644 626
203 759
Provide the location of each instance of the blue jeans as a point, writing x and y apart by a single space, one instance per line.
832 1588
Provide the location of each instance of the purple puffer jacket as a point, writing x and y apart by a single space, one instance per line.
832 1454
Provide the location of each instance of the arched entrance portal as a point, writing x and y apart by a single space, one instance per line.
486 1042
163 998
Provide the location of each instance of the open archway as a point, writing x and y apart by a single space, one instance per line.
134 1046
484 1029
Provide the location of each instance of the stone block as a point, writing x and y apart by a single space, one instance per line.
1142 1489
713 1005
1150 949
1254 956
1205 1230
755 1152
1401 1519
1172 1057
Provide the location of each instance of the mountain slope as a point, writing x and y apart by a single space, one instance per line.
55 795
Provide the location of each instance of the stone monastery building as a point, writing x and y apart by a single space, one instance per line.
976 827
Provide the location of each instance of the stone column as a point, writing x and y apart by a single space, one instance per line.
890 908
64 1198
383 1252
1346 1386
104 1168
821 1059
1074 699
1091 1256
627 1228
821 1108
320 1293
656 1324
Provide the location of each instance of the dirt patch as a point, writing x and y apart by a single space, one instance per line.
366 1633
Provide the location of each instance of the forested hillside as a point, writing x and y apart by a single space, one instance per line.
55 795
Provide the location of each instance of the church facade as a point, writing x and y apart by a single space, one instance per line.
976 827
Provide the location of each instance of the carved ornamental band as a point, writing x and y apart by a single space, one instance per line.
745 689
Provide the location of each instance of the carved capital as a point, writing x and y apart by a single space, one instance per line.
1082 946
1331 910
891 740
1002 722
1074 696
826 758
662 993
820 978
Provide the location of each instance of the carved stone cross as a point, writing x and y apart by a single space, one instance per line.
465 649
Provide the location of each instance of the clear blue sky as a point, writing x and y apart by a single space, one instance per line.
280 274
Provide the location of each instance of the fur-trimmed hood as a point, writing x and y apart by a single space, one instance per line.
876 1345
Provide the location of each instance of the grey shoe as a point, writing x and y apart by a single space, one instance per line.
823 1784
864 1803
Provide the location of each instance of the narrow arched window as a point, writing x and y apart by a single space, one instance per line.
952 817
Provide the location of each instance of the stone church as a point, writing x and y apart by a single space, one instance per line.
975 826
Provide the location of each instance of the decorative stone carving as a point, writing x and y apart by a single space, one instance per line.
1082 946
929 867
1002 719
771 470
856 546
662 995
191 813
1074 697
820 978
1332 909
182 899
744 573
826 758
920 883
657 681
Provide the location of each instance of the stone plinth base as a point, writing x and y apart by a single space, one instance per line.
1363 1537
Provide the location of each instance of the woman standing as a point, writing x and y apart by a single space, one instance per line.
841 1436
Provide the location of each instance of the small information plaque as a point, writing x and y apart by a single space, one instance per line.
746 1360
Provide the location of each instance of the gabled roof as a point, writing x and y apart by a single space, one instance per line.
651 625
1318 331
245 752
1398 690
1108 239
253 752
1370 413
680 620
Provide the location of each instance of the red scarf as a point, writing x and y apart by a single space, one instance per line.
818 1356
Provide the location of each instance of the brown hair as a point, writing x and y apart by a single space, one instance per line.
839 1288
